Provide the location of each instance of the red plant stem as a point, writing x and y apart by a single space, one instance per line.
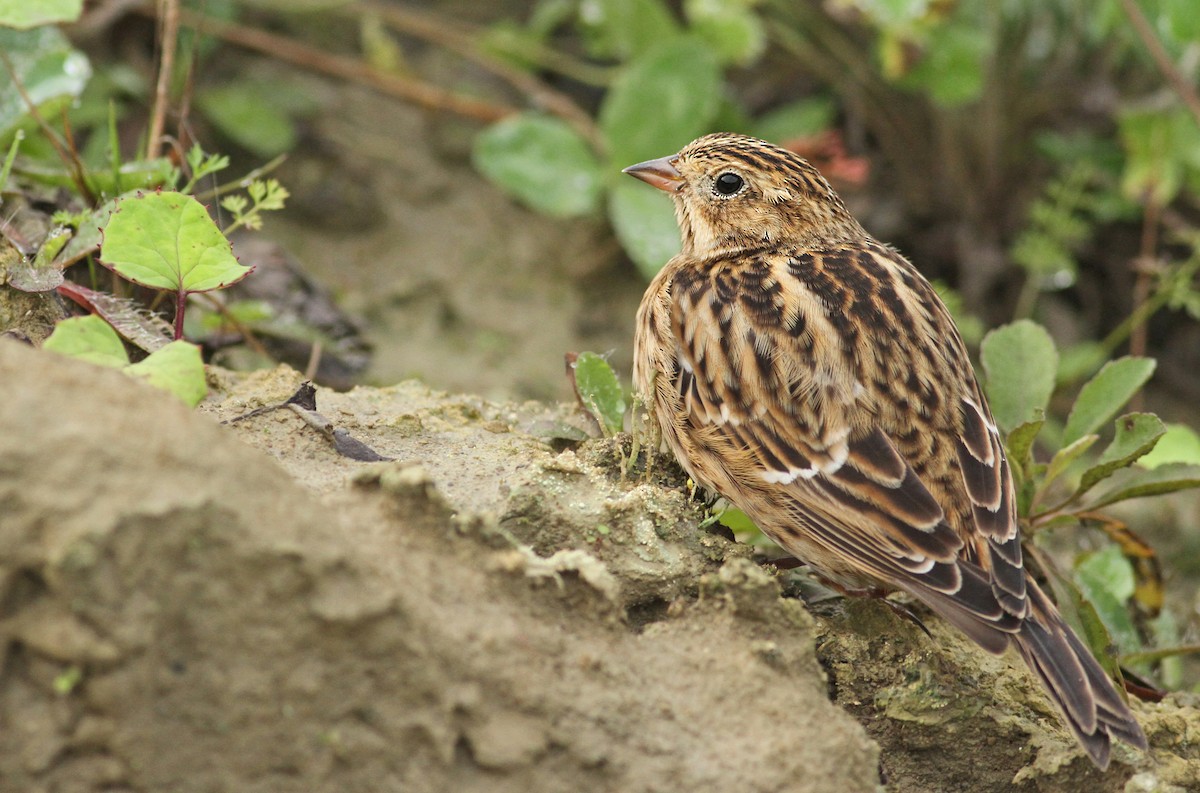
180 302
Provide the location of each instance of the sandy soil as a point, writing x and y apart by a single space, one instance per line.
195 607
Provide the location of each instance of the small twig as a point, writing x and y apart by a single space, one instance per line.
1185 90
292 51
314 361
1143 281
168 16
73 164
425 26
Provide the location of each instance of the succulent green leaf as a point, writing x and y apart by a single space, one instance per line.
542 162
1019 362
600 391
1137 433
177 368
89 339
644 222
1105 394
168 241
661 101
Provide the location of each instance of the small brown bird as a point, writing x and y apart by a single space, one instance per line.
812 376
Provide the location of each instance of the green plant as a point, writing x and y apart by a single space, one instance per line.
140 218
666 88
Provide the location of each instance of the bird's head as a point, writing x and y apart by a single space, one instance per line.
733 192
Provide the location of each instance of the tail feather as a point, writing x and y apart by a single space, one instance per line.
1082 690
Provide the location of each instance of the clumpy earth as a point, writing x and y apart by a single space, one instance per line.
190 606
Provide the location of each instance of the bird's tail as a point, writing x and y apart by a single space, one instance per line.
1094 710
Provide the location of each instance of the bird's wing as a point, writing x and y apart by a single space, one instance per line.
771 384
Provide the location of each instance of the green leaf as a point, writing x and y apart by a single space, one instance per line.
1137 482
168 241
249 117
1019 361
1160 148
644 221
1063 458
25 14
50 71
542 162
1020 442
623 29
1106 580
600 391
663 100
730 26
1137 433
89 339
1180 444
1105 394
802 119
177 368
951 66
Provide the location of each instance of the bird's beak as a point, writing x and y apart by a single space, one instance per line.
660 173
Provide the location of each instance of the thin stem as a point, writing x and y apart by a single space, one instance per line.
239 183
465 43
292 51
1184 89
72 163
168 15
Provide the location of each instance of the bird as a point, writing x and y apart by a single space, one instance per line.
811 376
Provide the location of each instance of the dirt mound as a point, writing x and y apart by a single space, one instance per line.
191 607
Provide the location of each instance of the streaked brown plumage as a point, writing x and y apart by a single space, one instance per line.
813 377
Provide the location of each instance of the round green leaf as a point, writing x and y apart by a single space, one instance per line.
177 368
644 221
168 241
542 162
1019 361
663 100
89 339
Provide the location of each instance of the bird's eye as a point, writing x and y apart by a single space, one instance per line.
728 183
